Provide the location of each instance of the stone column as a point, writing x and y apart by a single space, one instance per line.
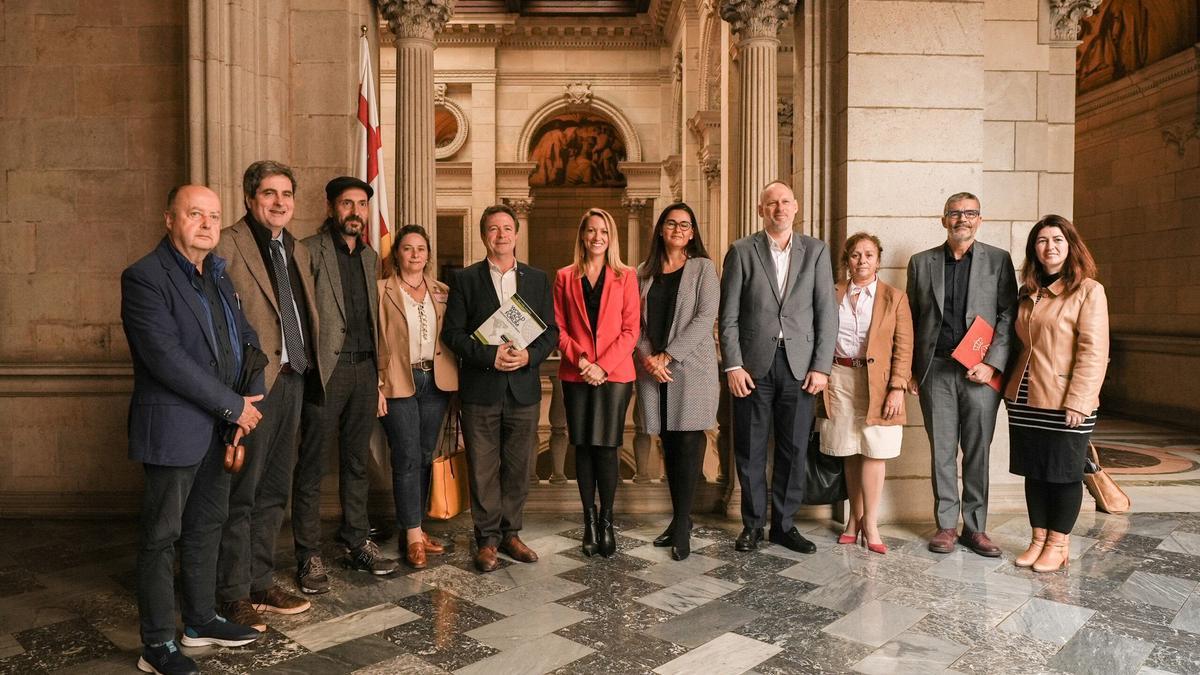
414 23
522 205
634 207
786 109
756 24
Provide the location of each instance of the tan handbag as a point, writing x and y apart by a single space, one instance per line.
449 488
1109 496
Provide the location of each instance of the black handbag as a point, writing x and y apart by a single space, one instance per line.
825 479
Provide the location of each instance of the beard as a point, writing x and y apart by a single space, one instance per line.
350 226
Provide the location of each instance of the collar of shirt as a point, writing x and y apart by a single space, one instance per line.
211 263
868 290
950 259
496 269
340 242
775 248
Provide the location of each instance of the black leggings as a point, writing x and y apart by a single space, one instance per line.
596 465
1053 506
683 457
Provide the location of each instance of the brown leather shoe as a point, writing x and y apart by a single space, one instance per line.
943 541
517 550
979 543
278 601
243 612
415 555
486 560
432 545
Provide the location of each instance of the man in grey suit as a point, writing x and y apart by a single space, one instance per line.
343 270
778 324
948 286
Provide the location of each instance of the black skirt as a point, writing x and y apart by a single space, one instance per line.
1041 445
596 415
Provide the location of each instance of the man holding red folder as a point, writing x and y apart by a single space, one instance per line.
950 287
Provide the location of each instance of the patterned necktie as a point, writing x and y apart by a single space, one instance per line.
287 310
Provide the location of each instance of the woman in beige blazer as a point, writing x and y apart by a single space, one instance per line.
416 374
864 401
1053 387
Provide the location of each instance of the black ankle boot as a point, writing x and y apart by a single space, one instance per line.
681 547
590 545
668 535
608 539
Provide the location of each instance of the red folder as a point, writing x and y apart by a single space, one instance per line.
974 347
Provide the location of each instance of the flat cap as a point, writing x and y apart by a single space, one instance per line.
335 187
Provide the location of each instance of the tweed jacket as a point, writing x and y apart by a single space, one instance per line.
753 312
991 294
889 350
692 396
252 281
395 364
331 306
1065 345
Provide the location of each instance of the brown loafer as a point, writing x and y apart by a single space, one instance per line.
486 560
243 612
979 543
415 555
432 545
943 541
278 601
517 550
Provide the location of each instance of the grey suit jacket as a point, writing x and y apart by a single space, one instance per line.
991 294
252 282
331 308
692 396
753 311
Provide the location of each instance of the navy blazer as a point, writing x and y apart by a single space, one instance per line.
178 397
472 300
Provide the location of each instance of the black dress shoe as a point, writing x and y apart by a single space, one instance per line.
668 536
591 544
749 539
792 539
681 551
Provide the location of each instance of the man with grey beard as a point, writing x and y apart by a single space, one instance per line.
344 271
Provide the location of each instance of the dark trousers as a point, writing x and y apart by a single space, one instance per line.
348 415
412 425
958 412
185 504
500 439
683 458
777 397
258 494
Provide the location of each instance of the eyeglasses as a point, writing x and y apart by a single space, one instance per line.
971 214
677 225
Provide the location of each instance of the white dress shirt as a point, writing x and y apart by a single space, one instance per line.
505 282
782 257
854 321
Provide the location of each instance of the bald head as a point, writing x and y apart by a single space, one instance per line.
777 207
193 221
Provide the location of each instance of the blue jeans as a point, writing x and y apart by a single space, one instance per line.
412 425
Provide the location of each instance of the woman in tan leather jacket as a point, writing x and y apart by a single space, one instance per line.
416 374
1053 387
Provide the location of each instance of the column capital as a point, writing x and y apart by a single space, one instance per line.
786 115
522 205
712 170
756 18
1065 16
635 205
415 18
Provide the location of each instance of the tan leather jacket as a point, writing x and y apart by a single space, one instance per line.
395 365
1064 342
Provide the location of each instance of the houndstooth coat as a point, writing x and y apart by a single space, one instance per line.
692 396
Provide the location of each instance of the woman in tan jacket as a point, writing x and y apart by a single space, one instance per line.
416 374
864 401
1053 387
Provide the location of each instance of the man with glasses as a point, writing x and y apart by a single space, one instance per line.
778 324
948 286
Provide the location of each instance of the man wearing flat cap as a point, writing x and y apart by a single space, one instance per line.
344 271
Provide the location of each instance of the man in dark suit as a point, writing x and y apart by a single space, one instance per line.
499 387
274 278
778 324
186 334
344 270
948 286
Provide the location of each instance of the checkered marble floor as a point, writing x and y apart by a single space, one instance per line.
1129 604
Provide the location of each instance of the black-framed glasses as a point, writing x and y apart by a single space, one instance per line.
682 225
970 214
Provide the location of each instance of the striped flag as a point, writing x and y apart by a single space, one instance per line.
369 154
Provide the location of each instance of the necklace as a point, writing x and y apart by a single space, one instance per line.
413 286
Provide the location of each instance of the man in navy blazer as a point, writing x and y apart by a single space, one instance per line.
500 388
186 334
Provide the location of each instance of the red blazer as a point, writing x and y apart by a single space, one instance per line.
619 325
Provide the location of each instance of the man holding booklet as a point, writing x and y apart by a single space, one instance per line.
950 287
502 340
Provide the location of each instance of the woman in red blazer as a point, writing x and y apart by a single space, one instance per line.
596 306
